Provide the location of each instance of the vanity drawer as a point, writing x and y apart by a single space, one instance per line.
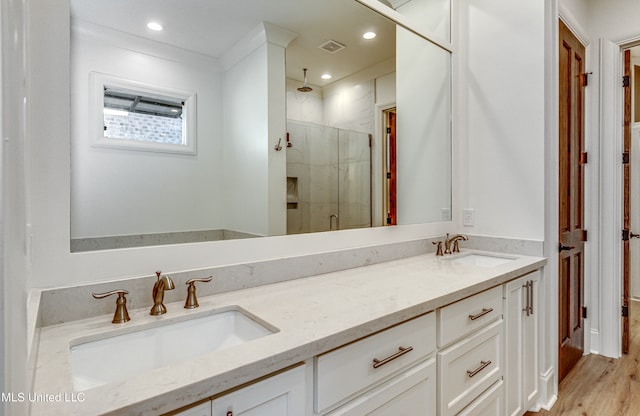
489 404
350 369
465 316
468 368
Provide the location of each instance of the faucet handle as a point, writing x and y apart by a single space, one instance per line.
456 248
121 315
192 300
439 248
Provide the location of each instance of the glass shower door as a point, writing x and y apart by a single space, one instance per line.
328 178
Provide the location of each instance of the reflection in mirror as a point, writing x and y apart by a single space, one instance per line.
427 16
139 116
358 147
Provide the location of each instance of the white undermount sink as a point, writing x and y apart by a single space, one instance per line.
483 260
119 357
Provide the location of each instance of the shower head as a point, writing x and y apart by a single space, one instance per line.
305 87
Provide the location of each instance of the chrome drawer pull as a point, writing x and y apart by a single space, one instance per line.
481 314
402 351
483 365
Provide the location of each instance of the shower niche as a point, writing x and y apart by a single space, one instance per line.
328 178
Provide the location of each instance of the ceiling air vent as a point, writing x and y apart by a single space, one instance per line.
332 46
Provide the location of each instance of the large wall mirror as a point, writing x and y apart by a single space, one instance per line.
305 116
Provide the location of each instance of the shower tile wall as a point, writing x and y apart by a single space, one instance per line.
351 108
316 150
330 166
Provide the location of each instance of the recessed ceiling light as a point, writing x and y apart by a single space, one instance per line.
369 35
154 26
326 76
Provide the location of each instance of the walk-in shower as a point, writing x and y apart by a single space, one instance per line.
328 178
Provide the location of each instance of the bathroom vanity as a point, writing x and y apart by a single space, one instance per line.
440 335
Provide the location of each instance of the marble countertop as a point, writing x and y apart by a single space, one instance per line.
313 315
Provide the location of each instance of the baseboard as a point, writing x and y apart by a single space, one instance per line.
594 341
548 389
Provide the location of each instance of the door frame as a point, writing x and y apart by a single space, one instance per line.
610 139
378 163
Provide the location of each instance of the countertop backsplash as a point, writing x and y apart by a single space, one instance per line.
66 304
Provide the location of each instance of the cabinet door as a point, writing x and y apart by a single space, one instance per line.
522 308
412 393
203 409
530 348
280 395
515 295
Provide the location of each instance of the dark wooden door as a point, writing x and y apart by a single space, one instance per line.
391 168
571 245
626 173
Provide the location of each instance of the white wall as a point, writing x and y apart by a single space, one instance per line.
277 130
245 145
128 192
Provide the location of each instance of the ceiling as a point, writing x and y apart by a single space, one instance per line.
211 27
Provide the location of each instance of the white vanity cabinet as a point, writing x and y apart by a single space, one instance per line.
522 309
475 357
279 395
390 372
470 360
413 392
202 409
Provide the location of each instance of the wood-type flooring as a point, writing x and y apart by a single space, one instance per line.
601 386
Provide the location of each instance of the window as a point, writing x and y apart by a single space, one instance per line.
138 116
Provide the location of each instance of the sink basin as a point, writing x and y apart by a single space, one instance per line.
483 260
119 357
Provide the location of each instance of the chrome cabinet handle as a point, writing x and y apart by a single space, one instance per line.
401 351
527 297
483 365
481 314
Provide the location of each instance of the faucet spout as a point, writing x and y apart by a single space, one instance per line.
448 241
163 283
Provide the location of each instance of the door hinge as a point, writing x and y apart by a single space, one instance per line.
584 235
388 130
625 234
584 312
625 81
584 158
625 158
625 311
585 78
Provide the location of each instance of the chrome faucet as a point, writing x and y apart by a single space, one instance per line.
454 240
163 283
